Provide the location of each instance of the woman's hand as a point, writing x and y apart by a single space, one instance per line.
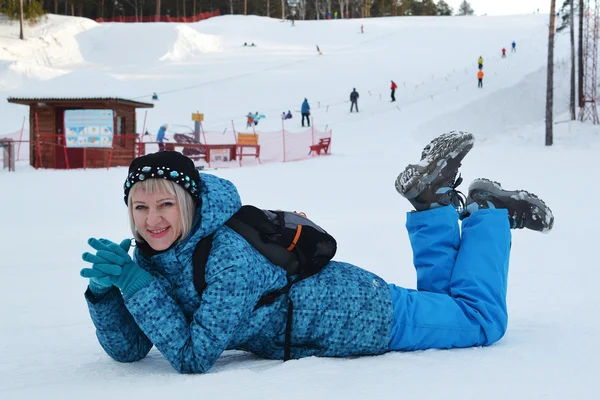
112 263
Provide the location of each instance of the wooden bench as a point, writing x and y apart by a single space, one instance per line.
323 145
247 141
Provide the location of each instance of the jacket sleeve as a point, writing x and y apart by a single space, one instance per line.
193 347
117 331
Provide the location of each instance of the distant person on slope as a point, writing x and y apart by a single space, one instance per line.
514 47
160 137
257 117
480 78
178 215
503 52
305 110
249 120
480 62
394 87
354 100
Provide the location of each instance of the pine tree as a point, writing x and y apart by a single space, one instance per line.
465 8
565 13
443 8
428 7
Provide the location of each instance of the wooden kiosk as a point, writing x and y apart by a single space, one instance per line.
54 145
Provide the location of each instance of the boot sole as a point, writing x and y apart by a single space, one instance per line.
495 188
452 146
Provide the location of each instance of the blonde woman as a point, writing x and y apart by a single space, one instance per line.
342 310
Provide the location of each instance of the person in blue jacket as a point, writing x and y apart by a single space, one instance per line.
160 137
514 46
305 110
343 310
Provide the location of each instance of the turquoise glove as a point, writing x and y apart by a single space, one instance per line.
112 261
102 284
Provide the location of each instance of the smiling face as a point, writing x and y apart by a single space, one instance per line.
157 218
160 212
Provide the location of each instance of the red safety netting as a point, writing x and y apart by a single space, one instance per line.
161 18
214 149
275 147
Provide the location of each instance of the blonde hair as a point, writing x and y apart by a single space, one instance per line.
187 206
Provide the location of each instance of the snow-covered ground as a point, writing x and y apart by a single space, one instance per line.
47 344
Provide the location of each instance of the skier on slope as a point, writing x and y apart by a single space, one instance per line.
393 88
305 110
160 137
354 100
343 310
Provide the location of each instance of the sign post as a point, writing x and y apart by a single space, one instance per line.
197 118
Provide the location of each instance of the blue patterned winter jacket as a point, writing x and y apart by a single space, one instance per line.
343 310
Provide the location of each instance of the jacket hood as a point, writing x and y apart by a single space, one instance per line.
220 200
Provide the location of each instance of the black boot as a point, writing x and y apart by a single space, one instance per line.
525 210
432 182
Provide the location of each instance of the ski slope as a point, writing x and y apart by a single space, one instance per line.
48 347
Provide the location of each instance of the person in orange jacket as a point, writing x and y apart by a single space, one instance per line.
394 87
480 77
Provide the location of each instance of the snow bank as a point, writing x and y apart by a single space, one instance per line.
190 43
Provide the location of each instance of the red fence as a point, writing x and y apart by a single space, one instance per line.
161 18
50 151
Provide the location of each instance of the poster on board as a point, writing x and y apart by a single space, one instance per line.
89 128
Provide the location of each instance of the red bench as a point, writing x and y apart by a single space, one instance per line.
323 145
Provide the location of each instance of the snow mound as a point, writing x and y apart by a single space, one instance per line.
51 43
137 44
191 43
504 109
14 74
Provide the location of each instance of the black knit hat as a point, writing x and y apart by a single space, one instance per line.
170 165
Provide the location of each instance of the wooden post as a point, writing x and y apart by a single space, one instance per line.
110 155
157 10
144 127
39 150
572 37
283 137
550 80
245 7
20 138
65 151
206 148
234 133
21 36
580 51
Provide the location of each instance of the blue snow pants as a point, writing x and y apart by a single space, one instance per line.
460 299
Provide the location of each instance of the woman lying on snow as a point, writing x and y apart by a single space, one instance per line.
343 310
